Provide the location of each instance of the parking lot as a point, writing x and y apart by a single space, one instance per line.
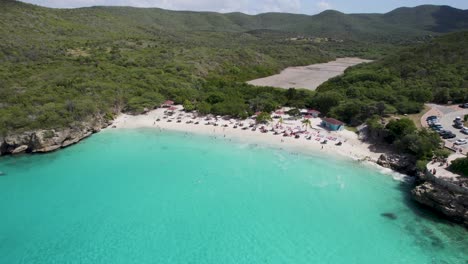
446 115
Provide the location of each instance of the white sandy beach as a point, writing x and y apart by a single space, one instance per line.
308 77
351 146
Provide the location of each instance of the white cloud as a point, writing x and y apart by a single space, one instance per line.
323 5
246 6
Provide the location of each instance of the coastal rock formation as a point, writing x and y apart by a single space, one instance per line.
2 146
443 199
399 163
19 149
42 141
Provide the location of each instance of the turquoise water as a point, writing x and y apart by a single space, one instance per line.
138 196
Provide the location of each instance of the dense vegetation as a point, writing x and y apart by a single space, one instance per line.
59 67
403 135
460 166
402 82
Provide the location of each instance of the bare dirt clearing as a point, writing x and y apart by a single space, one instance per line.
308 77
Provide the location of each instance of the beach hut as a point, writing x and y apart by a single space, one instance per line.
332 124
167 104
313 113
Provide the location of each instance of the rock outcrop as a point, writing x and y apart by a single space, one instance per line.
19 150
443 199
42 141
400 163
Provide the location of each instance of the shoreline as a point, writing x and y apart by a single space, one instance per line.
352 148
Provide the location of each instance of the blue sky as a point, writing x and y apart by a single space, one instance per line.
259 6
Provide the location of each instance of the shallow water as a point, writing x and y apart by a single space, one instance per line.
139 196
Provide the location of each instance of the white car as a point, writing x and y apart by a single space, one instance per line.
461 142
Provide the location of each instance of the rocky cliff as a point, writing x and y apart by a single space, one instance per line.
42 141
448 197
401 163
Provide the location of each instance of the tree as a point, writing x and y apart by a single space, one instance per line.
460 166
421 144
281 121
204 108
263 118
399 128
294 112
264 102
188 106
325 101
307 123
441 153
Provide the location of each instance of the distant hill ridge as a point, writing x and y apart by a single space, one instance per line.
399 23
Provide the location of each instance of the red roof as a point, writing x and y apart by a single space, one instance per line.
172 108
308 116
312 111
169 102
333 121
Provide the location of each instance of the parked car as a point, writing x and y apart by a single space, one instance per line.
458 125
432 121
461 142
449 135
437 128
443 132
464 130
457 119
431 118
465 105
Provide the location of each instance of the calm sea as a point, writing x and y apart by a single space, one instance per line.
140 196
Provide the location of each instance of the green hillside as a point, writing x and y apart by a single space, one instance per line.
62 66
401 83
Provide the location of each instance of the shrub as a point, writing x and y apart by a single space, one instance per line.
460 166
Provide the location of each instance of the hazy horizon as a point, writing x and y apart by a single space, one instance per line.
255 7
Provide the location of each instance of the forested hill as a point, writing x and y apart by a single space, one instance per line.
59 67
398 24
401 83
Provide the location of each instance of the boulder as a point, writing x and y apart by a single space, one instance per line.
20 149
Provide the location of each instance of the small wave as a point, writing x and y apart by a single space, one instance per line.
282 160
397 176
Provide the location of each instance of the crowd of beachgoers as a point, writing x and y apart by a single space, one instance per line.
283 131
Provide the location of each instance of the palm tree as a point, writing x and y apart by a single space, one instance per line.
281 121
306 123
